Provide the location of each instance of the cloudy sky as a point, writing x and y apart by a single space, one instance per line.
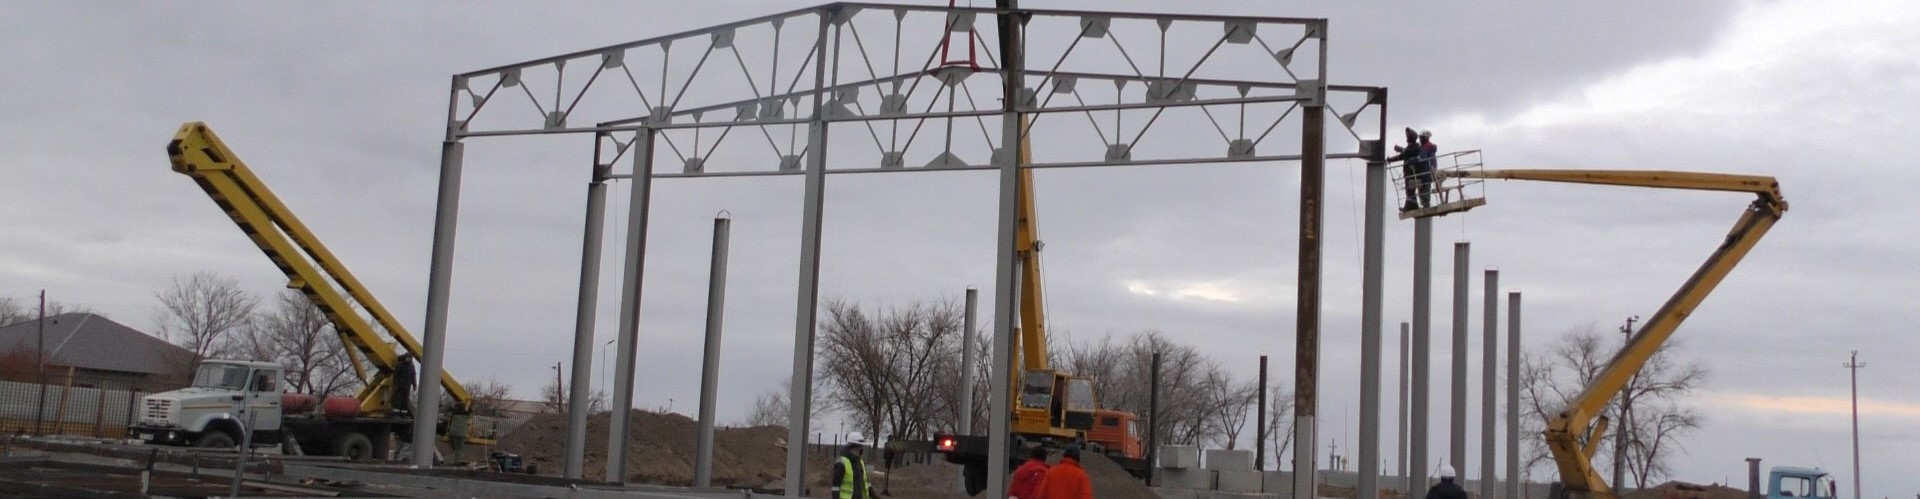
341 108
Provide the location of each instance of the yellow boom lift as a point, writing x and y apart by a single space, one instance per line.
1574 434
197 152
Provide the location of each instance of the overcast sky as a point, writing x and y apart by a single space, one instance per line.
341 109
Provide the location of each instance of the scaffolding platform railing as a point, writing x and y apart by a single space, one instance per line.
1440 192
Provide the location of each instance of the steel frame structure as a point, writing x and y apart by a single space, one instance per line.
676 100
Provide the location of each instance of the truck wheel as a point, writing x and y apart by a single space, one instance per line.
353 446
214 440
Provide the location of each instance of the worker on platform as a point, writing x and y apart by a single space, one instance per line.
403 382
458 422
1429 162
1067 480
1446 489
1409 158
850 480
1026 479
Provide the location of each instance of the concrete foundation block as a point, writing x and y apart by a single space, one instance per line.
1238 481
1192 479
1229 460
1244 495
1167 493
1277 482
1179 457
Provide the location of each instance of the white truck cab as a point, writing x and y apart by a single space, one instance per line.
226 397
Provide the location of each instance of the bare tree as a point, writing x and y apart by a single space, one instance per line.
1552 377
1122 377
490 398
894 372
1280 420
771 409
299 337
1228 401
202 312
553 399
14 310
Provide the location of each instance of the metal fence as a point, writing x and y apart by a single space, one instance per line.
73 403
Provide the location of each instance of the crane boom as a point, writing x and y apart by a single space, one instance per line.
197 152
1574 434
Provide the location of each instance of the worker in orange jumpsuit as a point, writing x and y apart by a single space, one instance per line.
1067 480
1026 480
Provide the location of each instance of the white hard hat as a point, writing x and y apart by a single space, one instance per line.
1426 133
855 438
1446 471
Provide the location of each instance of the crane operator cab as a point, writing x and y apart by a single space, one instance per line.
1050 399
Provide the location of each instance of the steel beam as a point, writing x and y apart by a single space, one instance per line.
439 285
579 404
710 363
1372 277
1400 461
1513 395
1422 354
1306 384
1489 370
807 300
1457 429
628 340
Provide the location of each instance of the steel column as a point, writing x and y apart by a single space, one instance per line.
1513 395
710 365
1401 460
966 374
807 303
629 338
439 284
1422 354
1457 430
1313 169
1489 369
579 404
1005 292
1372 277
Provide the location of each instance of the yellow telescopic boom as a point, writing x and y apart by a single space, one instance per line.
1574 434
310 268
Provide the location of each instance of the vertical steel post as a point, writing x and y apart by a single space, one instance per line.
583 318
40 366
1457 431
439 283
1005 299
966 374
800 389
710 365
1422 354
1489 369
967 360
1513 395
628 340
1853 379
1372 277
1753 479
1313 170
1153 417
1401 461
1260 422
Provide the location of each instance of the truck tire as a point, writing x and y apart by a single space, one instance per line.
353 446
215 439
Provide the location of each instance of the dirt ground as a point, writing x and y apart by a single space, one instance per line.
662 447
750 458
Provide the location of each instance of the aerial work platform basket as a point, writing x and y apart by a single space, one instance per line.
1443 192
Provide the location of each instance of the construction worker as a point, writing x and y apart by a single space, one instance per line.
1067 480
1409 158
850 480
1026 480
1446 489
457 422
1429 161
403 382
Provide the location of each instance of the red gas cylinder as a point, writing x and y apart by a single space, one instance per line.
293 403
341 407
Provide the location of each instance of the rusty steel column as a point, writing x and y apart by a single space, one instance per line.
1313 169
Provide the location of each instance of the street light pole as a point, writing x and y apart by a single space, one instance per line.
1853 366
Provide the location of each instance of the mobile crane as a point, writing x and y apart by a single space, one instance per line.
1574 434
358 428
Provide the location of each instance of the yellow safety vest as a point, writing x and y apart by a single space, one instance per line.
851 487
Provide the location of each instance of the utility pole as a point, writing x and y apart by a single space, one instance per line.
1853 366
1626 404
559 390
40 365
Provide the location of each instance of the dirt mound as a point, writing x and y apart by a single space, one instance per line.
1110 481
661 450
1684 490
